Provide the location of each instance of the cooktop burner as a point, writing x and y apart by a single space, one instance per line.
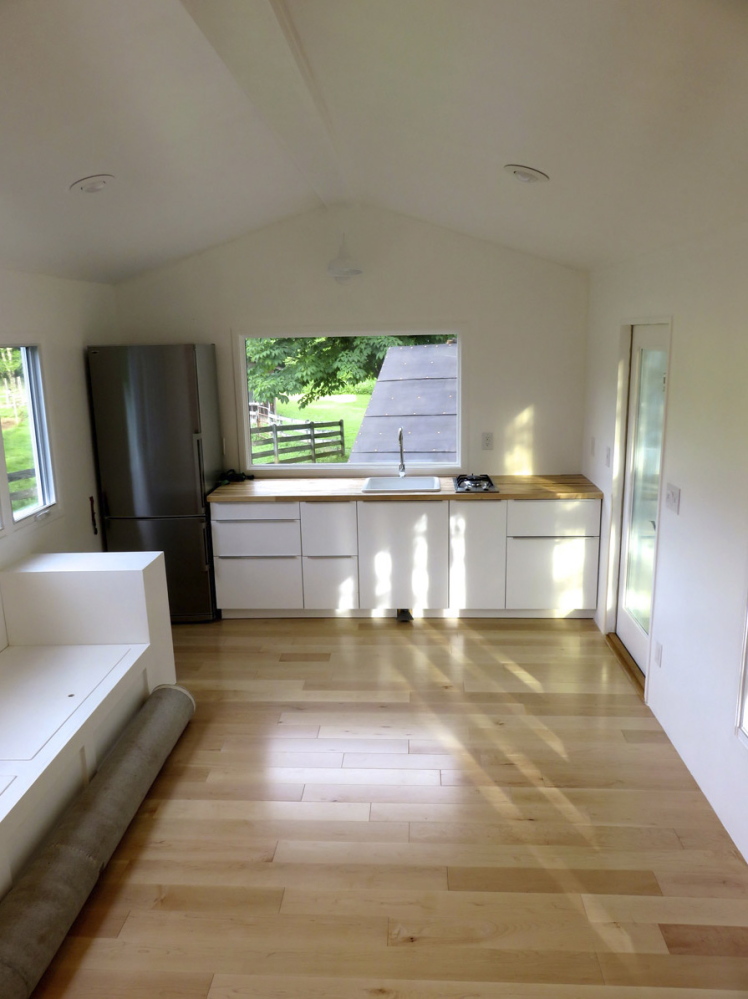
474 484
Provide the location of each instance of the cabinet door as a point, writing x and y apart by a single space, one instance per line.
403 554
477 554
551 573
331 583
258 583
329 528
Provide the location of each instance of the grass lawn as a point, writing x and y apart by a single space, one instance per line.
17 444
19 455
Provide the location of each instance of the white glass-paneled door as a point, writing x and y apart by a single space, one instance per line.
646 422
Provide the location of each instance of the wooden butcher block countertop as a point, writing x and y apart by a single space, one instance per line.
532 487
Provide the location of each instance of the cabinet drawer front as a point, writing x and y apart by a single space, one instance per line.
551 573
258 583
254 511
330 583
329 528
553 518
256 537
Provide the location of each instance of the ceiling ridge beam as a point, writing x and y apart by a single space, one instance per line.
296 47
261 49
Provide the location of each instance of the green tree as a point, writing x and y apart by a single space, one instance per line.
312 367
11 375
11 363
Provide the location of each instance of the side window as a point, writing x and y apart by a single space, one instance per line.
27 484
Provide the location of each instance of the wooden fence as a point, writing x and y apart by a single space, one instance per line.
297 442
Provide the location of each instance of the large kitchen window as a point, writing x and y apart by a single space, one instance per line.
331 400
27 487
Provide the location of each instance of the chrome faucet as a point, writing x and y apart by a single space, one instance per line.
401 468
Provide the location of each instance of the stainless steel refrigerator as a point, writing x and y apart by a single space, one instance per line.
158 451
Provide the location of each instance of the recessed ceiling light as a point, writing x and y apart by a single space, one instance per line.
94 184
528 175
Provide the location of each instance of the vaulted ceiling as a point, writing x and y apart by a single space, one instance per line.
216 117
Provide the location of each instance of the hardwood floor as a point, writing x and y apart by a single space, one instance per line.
436 810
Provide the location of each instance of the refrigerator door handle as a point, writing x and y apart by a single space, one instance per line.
206 560
197 445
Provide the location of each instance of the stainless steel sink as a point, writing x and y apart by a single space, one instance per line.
402 484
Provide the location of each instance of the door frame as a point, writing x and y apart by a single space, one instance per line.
618 470
741 716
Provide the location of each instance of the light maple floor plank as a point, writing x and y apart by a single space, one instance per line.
362 809
269 987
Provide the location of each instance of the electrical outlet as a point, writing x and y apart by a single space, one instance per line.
486 440
672 497
657 654
607 457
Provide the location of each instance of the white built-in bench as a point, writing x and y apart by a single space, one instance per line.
87 638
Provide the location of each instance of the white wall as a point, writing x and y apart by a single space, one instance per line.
522 318
60 317
702 577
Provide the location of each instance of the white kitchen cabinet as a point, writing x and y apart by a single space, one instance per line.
330 582
403 554
329 528
257 537
258 583
283 510
477 554
552 573
257 556
329 539
462 554
552 554
579 518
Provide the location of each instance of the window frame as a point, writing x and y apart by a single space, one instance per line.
337 469
741 720
41 447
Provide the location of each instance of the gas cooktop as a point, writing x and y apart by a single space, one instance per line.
474 484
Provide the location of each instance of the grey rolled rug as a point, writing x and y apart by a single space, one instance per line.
40 908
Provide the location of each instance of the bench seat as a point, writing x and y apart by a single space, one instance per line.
64 700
